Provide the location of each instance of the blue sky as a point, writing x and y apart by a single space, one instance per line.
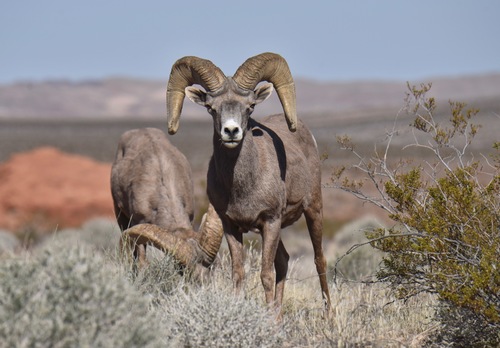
322 40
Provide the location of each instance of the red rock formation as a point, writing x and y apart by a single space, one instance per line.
47 189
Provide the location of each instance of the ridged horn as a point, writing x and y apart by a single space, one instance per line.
210 235
187 251
185 72
161 239
273 68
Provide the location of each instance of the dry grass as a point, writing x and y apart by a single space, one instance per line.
363 315
193 313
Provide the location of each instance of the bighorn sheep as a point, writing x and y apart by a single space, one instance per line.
262 175
152 194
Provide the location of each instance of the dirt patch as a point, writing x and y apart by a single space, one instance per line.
48 189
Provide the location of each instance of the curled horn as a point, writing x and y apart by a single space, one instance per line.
161 239
189 248
273 68
210 235
185 72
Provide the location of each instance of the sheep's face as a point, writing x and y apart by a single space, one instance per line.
230 107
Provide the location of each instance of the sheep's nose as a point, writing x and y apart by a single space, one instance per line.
231 131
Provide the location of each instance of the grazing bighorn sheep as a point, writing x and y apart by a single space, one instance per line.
262 175
152 194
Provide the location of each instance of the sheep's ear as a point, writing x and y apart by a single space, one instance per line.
196 95
263 92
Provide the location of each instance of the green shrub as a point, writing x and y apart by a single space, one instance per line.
462 327
446 235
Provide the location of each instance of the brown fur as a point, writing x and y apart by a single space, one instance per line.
263 184
151 183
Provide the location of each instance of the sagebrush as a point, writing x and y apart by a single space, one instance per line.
65 294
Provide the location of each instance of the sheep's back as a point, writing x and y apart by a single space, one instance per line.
151 179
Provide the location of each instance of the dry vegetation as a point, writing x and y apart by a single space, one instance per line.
74 291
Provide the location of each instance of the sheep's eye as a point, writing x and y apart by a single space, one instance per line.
209 108
251 107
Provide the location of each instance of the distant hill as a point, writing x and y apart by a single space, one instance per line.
125 97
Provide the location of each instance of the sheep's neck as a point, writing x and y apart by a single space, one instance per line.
237 169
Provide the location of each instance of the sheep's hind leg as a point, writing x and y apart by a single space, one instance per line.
314 221
281 267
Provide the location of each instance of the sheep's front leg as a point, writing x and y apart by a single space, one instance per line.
270 242
235 242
